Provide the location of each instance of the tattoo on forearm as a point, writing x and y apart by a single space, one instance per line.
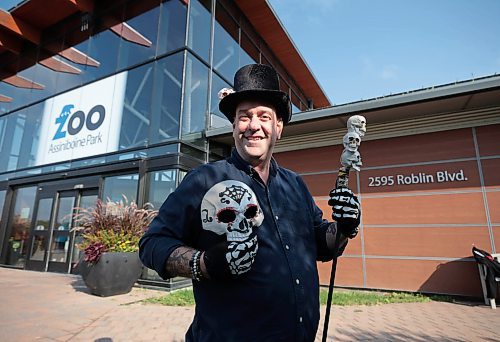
332 228
178 262
330 235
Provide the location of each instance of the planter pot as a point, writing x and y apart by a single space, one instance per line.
113 274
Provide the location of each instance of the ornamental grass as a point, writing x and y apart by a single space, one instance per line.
111 226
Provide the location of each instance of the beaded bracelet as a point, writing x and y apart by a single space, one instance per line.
195 266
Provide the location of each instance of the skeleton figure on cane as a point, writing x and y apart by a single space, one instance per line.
345 206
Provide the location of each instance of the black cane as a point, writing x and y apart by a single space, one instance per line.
342 181
350 158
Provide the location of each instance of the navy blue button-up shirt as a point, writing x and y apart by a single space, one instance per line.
278 299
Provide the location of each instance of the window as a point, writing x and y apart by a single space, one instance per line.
167 98
195 100
160 185
137 107
20 96
103 47
226 48
2 202
115 187
217 119
172 30
249 53
12 130
142 44
18 227
200 27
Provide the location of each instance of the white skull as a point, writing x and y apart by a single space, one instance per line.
231 207
351 141
351 159
357 123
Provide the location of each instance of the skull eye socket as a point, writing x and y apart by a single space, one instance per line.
251 211
227 215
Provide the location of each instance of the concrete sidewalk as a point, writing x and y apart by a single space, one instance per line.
38 306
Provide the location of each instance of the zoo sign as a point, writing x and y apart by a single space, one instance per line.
83 122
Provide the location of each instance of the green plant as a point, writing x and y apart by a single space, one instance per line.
185 297
182 297
112 227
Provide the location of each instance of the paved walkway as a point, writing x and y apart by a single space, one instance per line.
38 306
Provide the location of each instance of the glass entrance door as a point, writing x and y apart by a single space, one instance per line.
52 241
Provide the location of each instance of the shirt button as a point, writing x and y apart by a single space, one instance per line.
300 319
297 281
276 217
287 247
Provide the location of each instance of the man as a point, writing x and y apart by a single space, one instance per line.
248 231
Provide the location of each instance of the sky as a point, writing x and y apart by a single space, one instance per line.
363 49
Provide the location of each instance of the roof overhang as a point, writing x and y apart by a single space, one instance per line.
28 22
266 23
457 97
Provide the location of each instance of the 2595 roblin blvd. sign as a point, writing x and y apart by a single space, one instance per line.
83 122
417 178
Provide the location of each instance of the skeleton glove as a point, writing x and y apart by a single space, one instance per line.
229 259
346 211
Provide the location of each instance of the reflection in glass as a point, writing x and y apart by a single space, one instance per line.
80 41
44 76
161 184
146 26
19 226
10 92
249 53
217 119
59 247
296 104
28 132
137 107
195 100
103 47
2 202
35 118
43 214
64 213
199 28
86 202
38 248
12 136
167 98
163 150
118 186
172 26
226 49
19 96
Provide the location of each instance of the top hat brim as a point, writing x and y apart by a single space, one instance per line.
276 98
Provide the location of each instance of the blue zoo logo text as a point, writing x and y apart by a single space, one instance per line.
75 121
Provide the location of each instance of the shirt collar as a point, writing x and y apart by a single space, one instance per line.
241 164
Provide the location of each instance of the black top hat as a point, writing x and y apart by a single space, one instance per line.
256 82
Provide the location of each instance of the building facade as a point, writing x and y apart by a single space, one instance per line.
112 98
429 185
105 99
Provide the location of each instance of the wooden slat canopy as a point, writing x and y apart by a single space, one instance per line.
22 30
